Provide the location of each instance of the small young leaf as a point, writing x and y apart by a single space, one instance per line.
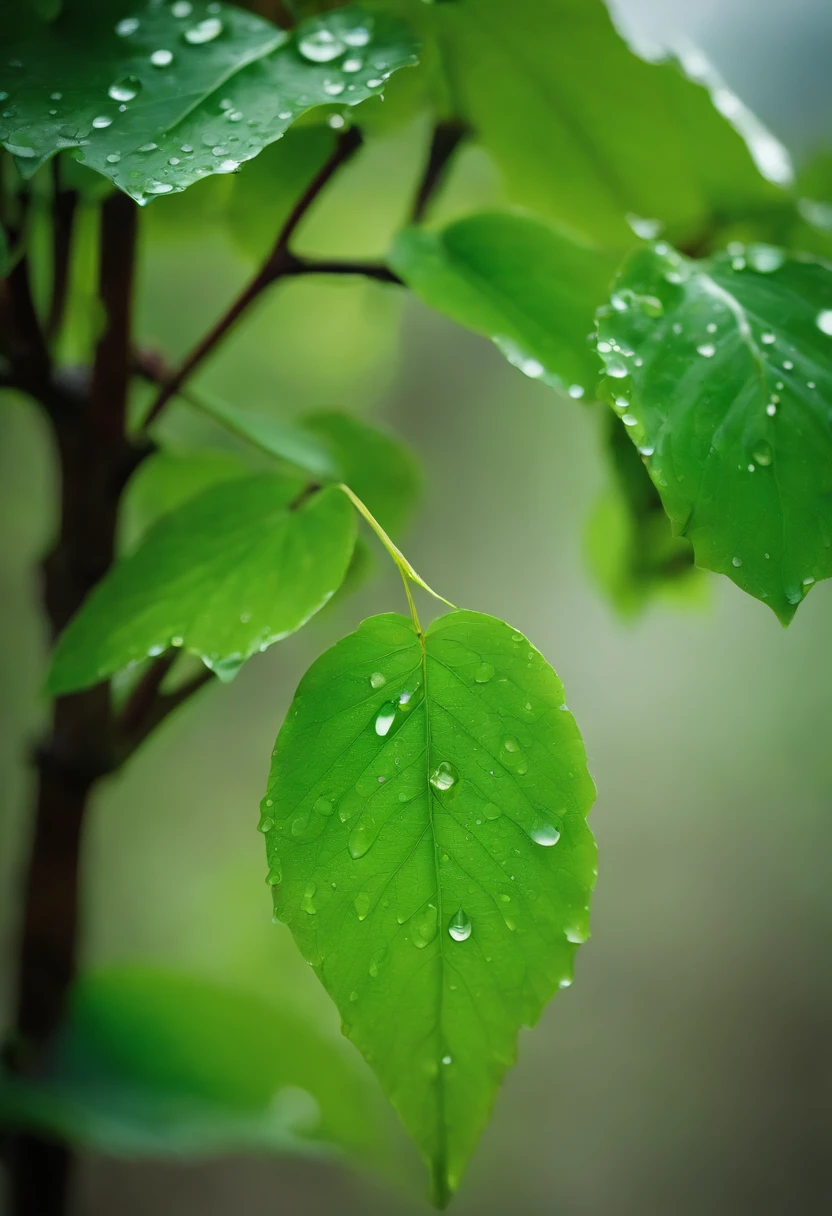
156 101
228 574
156 1063
428 846
722 373
531 290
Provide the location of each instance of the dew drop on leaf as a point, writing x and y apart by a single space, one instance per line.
377 680
320 46
444 776
460 926
204 31
125 89
545 834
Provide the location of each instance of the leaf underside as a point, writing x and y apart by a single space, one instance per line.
428 846
722 372
224 576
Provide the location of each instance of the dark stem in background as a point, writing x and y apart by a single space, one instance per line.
95 461
447 137
64 205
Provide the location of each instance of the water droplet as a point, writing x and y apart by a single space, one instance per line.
275 874
161 58
765 258
483 673
353 996
228 166
762 453
771 409
359 36
300 825
736 561
711 327
824 321
511 744
320 45
385 718
127 26
181 8
148 147
113 159
353 64
377 680
375 84
425 931
125 89
576 391
707 350
788 366
361 903
204 31
444 776
545 834
334 88
266 823
323 806
460 926
362 837
565 982
101 122
629 419
447 1059
336 121
308 895
373 969
768 339
647 229
576 935
492 811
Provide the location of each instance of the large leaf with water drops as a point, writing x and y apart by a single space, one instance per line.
229 573
530 289
158 100
586 132
722 373
157 1063
428 846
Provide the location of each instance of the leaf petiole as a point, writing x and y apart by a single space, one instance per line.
404 567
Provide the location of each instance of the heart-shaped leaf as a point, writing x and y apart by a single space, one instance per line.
428 846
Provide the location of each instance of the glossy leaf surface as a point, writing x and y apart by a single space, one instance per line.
722 373
428 846
512 278
226 575
156 1063
156 101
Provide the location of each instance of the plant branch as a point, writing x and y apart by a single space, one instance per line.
368 270
280 261
447 136
64 205
148 707
111 369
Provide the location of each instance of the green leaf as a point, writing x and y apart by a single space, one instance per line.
728 394
376 466
586 132
531 290
226 575
155 101
167 480
631 549
428 846
155 1063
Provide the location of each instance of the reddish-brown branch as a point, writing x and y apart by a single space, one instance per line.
447 136
280 262
64 205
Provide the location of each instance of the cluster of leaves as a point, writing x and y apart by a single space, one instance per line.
426 812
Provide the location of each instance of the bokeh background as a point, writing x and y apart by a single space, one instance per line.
689 1069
